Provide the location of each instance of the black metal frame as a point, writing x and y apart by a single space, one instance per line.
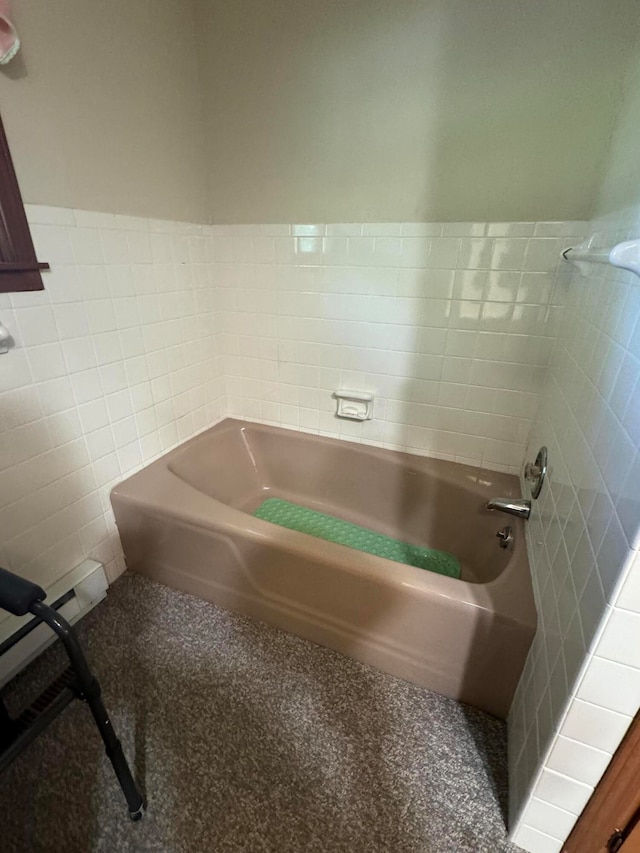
75 682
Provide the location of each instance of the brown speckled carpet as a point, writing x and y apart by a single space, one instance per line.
249 739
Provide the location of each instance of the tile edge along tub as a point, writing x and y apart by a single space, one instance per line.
186 521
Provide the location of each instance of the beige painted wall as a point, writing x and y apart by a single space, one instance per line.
621 176
331 110
102 106
365 110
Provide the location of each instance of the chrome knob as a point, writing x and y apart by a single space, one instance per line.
505 536
535 472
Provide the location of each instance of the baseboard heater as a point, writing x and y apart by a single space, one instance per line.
75 594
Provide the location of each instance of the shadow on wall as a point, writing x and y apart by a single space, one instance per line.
16 69
53 507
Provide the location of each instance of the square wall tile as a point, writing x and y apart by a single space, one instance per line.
620 641
578 761
594 725
536 842
563 792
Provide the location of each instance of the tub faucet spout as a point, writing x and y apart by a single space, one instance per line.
519 507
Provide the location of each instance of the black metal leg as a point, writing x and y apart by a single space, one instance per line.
89 690
135 801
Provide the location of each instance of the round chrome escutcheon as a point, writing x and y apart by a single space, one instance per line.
534 473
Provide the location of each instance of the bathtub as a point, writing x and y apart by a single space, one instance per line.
185 520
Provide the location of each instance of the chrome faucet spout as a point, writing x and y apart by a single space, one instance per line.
520 507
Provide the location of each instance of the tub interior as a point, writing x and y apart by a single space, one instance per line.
425 502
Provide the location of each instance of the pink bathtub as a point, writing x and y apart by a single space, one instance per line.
186 521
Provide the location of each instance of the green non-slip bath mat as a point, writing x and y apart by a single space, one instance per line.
333 529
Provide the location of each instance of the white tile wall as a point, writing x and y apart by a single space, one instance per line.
581 685
114 363
450 325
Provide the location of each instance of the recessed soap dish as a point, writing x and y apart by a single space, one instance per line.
354 405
